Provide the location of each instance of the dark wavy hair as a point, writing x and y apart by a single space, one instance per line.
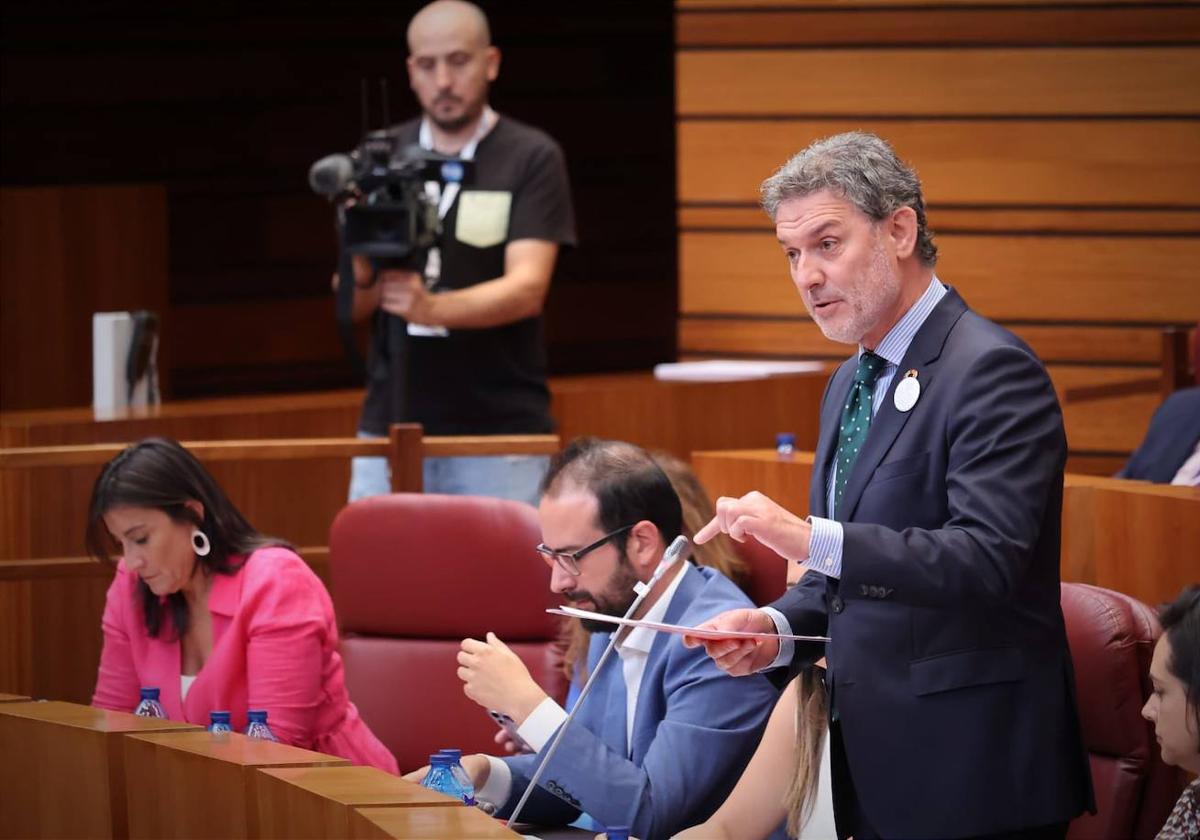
628 485
158 473
1180 621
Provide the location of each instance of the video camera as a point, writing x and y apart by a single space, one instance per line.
383 208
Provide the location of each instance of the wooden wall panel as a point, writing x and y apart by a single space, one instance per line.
754 5
998 219
946 81
66 252
1046 278
833 23
800 337
972 162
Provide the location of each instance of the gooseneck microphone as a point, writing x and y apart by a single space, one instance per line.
677 549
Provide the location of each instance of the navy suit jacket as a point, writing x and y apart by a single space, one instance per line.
1170 440
949 671
694 731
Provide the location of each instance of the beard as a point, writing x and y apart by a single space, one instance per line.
618 594
868 300
470 112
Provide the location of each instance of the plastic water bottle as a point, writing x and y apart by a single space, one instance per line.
785 444
441 779
616 832
219 722
461 775
149 705
257 727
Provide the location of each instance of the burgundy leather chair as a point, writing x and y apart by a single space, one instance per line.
766 571
413 574
1112 639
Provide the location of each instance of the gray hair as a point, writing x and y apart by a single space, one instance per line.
862 168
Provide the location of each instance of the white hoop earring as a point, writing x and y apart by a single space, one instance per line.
200 543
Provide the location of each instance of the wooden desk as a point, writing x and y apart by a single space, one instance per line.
464 823
63 769
318 802
13 698
683 417
196 784
735 473
1132 536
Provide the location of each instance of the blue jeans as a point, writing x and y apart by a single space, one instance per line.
503 476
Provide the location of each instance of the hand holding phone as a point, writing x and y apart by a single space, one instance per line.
510 728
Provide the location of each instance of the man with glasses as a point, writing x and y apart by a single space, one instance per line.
664 734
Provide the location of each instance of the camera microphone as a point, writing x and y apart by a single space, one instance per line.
331 175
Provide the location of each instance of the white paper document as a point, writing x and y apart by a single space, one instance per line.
679 629
731 370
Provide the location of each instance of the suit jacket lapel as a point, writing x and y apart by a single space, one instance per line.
922 355
831 412
610 685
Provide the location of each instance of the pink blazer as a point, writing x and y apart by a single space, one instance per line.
275 647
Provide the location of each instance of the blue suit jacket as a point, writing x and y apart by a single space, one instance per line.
1170 440
948 663
694 730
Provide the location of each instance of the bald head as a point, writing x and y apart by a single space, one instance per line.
451 64
449 18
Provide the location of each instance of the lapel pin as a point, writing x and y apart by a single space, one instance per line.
907 391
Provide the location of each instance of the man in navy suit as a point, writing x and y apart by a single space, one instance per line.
1170 451
933 545
659 742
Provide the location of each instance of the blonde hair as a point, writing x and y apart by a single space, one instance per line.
717 553
811 724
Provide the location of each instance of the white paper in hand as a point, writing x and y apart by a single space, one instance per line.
679 629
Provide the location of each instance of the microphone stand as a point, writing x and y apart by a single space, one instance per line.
675 550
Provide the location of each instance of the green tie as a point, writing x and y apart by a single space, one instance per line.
856 420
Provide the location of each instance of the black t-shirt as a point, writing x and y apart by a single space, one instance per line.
484 381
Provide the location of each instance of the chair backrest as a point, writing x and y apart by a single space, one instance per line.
414 574
766 571
1112 639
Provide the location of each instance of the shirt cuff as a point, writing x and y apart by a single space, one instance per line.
825 547
539 727
787 647
498 786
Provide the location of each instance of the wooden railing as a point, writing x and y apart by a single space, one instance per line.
51 597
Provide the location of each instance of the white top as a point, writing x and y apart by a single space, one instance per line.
185 685
540 726
1189 472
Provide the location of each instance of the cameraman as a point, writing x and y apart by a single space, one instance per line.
469 332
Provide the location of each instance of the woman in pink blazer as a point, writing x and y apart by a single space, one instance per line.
213 613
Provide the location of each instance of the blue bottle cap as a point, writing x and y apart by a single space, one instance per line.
785 439
452 753
616 832
219 717
149 693
256 716
439 760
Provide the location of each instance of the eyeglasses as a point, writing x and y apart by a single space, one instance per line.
568 561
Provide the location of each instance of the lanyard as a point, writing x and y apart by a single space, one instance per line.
445 198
